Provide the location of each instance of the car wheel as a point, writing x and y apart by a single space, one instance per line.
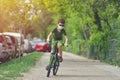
6 58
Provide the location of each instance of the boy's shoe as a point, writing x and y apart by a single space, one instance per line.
52 53
60 59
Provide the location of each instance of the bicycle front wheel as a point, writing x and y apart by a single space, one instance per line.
50 66
55 67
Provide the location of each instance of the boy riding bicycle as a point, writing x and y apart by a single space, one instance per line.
57 35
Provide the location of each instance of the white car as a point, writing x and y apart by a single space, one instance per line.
4 50
27 46
20 38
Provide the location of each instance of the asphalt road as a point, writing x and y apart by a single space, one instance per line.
74 68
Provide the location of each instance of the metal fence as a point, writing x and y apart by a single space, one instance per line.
112 49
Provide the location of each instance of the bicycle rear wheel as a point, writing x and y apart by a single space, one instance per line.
55 67
50 66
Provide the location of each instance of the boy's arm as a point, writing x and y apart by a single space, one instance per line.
49 35
66 40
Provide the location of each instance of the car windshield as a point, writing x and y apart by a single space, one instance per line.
41 43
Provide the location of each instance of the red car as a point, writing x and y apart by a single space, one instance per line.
43 47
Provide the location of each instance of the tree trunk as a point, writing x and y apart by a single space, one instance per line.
97 19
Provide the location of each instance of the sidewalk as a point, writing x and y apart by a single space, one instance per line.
74 68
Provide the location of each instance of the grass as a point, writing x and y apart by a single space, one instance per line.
14 68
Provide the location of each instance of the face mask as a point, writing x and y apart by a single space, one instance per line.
60 27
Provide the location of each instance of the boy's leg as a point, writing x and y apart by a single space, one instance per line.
60 51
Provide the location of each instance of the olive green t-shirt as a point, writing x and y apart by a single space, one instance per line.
58 35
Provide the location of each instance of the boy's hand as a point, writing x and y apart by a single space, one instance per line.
48 40
66 44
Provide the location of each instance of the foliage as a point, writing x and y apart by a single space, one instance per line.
88 22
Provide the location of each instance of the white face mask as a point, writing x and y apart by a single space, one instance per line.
60 27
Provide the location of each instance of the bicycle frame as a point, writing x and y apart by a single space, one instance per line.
54 61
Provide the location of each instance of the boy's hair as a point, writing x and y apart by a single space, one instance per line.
61 21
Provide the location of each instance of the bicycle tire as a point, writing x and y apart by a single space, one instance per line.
55 67
48 73
50 66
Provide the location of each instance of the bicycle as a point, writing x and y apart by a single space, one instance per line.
54 61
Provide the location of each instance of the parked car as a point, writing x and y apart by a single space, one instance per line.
27 46
35 41
11 47
20 39
12 44
42 46
4 56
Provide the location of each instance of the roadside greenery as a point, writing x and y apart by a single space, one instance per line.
14 68
92 25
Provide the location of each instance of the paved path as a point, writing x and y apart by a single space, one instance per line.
74 68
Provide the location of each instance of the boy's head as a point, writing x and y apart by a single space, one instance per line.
61 23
